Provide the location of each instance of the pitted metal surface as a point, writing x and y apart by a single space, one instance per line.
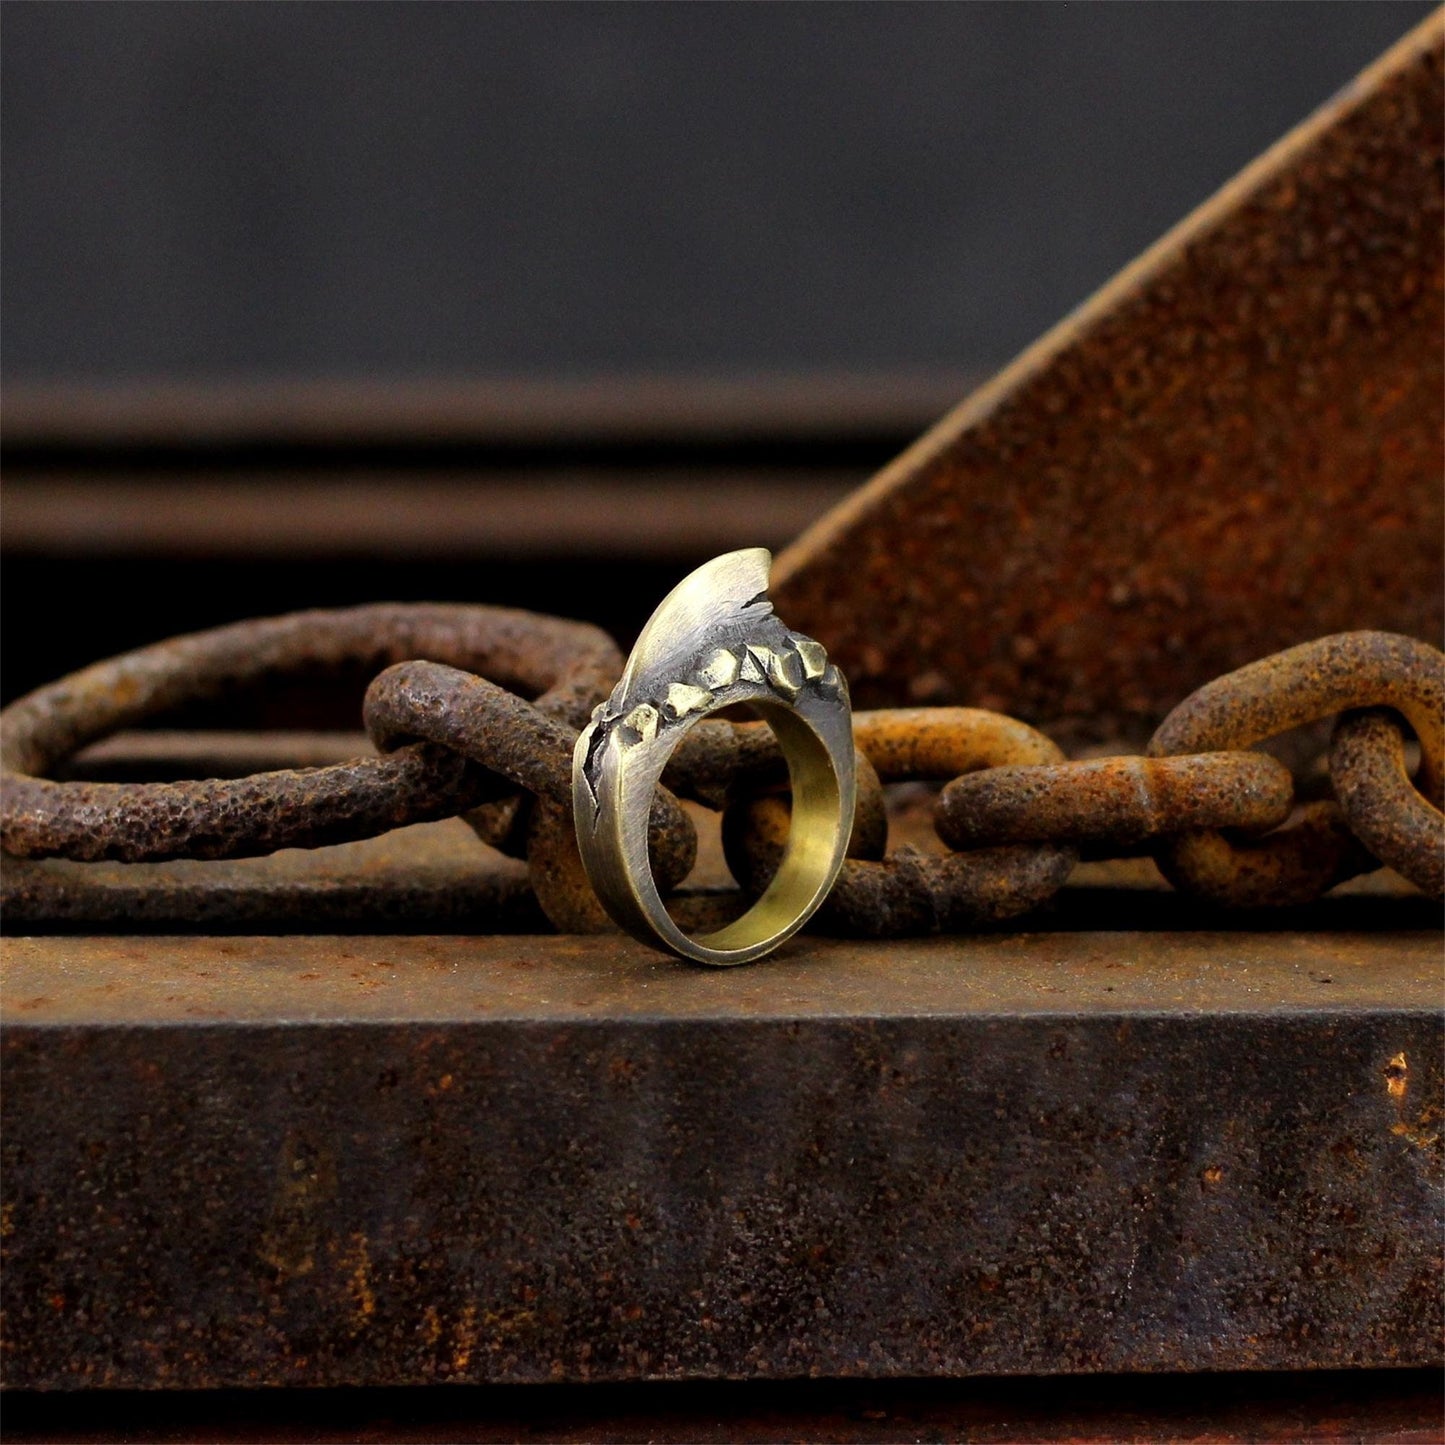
570 664
1383 808
1115 803
1269 697
466 1160
1221 820
1234 446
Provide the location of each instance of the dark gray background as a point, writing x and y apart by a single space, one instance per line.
213 189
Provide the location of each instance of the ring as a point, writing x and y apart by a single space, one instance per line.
715 642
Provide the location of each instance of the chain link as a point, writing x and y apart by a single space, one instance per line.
1316 849
564 665
1220 818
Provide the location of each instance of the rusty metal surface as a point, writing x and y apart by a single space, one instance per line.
432 877
1115 803
1380 802
413 1160
1018 810
569 663
1360 1407
1291 688
165 754
1235 445
911 891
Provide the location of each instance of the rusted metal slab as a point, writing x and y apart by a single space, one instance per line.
409 1160
1234 446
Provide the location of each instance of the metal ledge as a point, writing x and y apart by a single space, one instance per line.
401 1160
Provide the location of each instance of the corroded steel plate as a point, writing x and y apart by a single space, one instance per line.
1234 446
325 1161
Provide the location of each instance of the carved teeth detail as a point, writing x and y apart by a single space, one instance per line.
642 720
720 670
815 658
754 664
683 697
785 672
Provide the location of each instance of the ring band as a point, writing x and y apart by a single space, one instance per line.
712 643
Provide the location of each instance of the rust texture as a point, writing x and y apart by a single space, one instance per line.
166 754
570 664
1017 813
1273 695
1381 805
481 721
1115 802
272 1161
909 891
1236 445
429 878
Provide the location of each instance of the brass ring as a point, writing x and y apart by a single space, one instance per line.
713 643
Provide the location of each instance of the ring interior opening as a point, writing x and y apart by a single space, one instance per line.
812 837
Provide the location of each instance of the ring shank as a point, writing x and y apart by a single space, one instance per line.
815 736
808 861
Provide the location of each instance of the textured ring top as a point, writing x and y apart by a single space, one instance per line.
715 642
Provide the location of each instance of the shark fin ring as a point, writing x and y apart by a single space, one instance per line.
714 642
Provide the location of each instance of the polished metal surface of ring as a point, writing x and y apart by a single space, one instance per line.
715 642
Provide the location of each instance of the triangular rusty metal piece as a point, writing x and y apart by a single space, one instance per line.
1235 445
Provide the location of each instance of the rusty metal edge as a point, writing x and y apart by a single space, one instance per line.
1217 210
490 1201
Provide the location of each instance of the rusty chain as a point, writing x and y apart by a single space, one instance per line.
563 665
474 711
